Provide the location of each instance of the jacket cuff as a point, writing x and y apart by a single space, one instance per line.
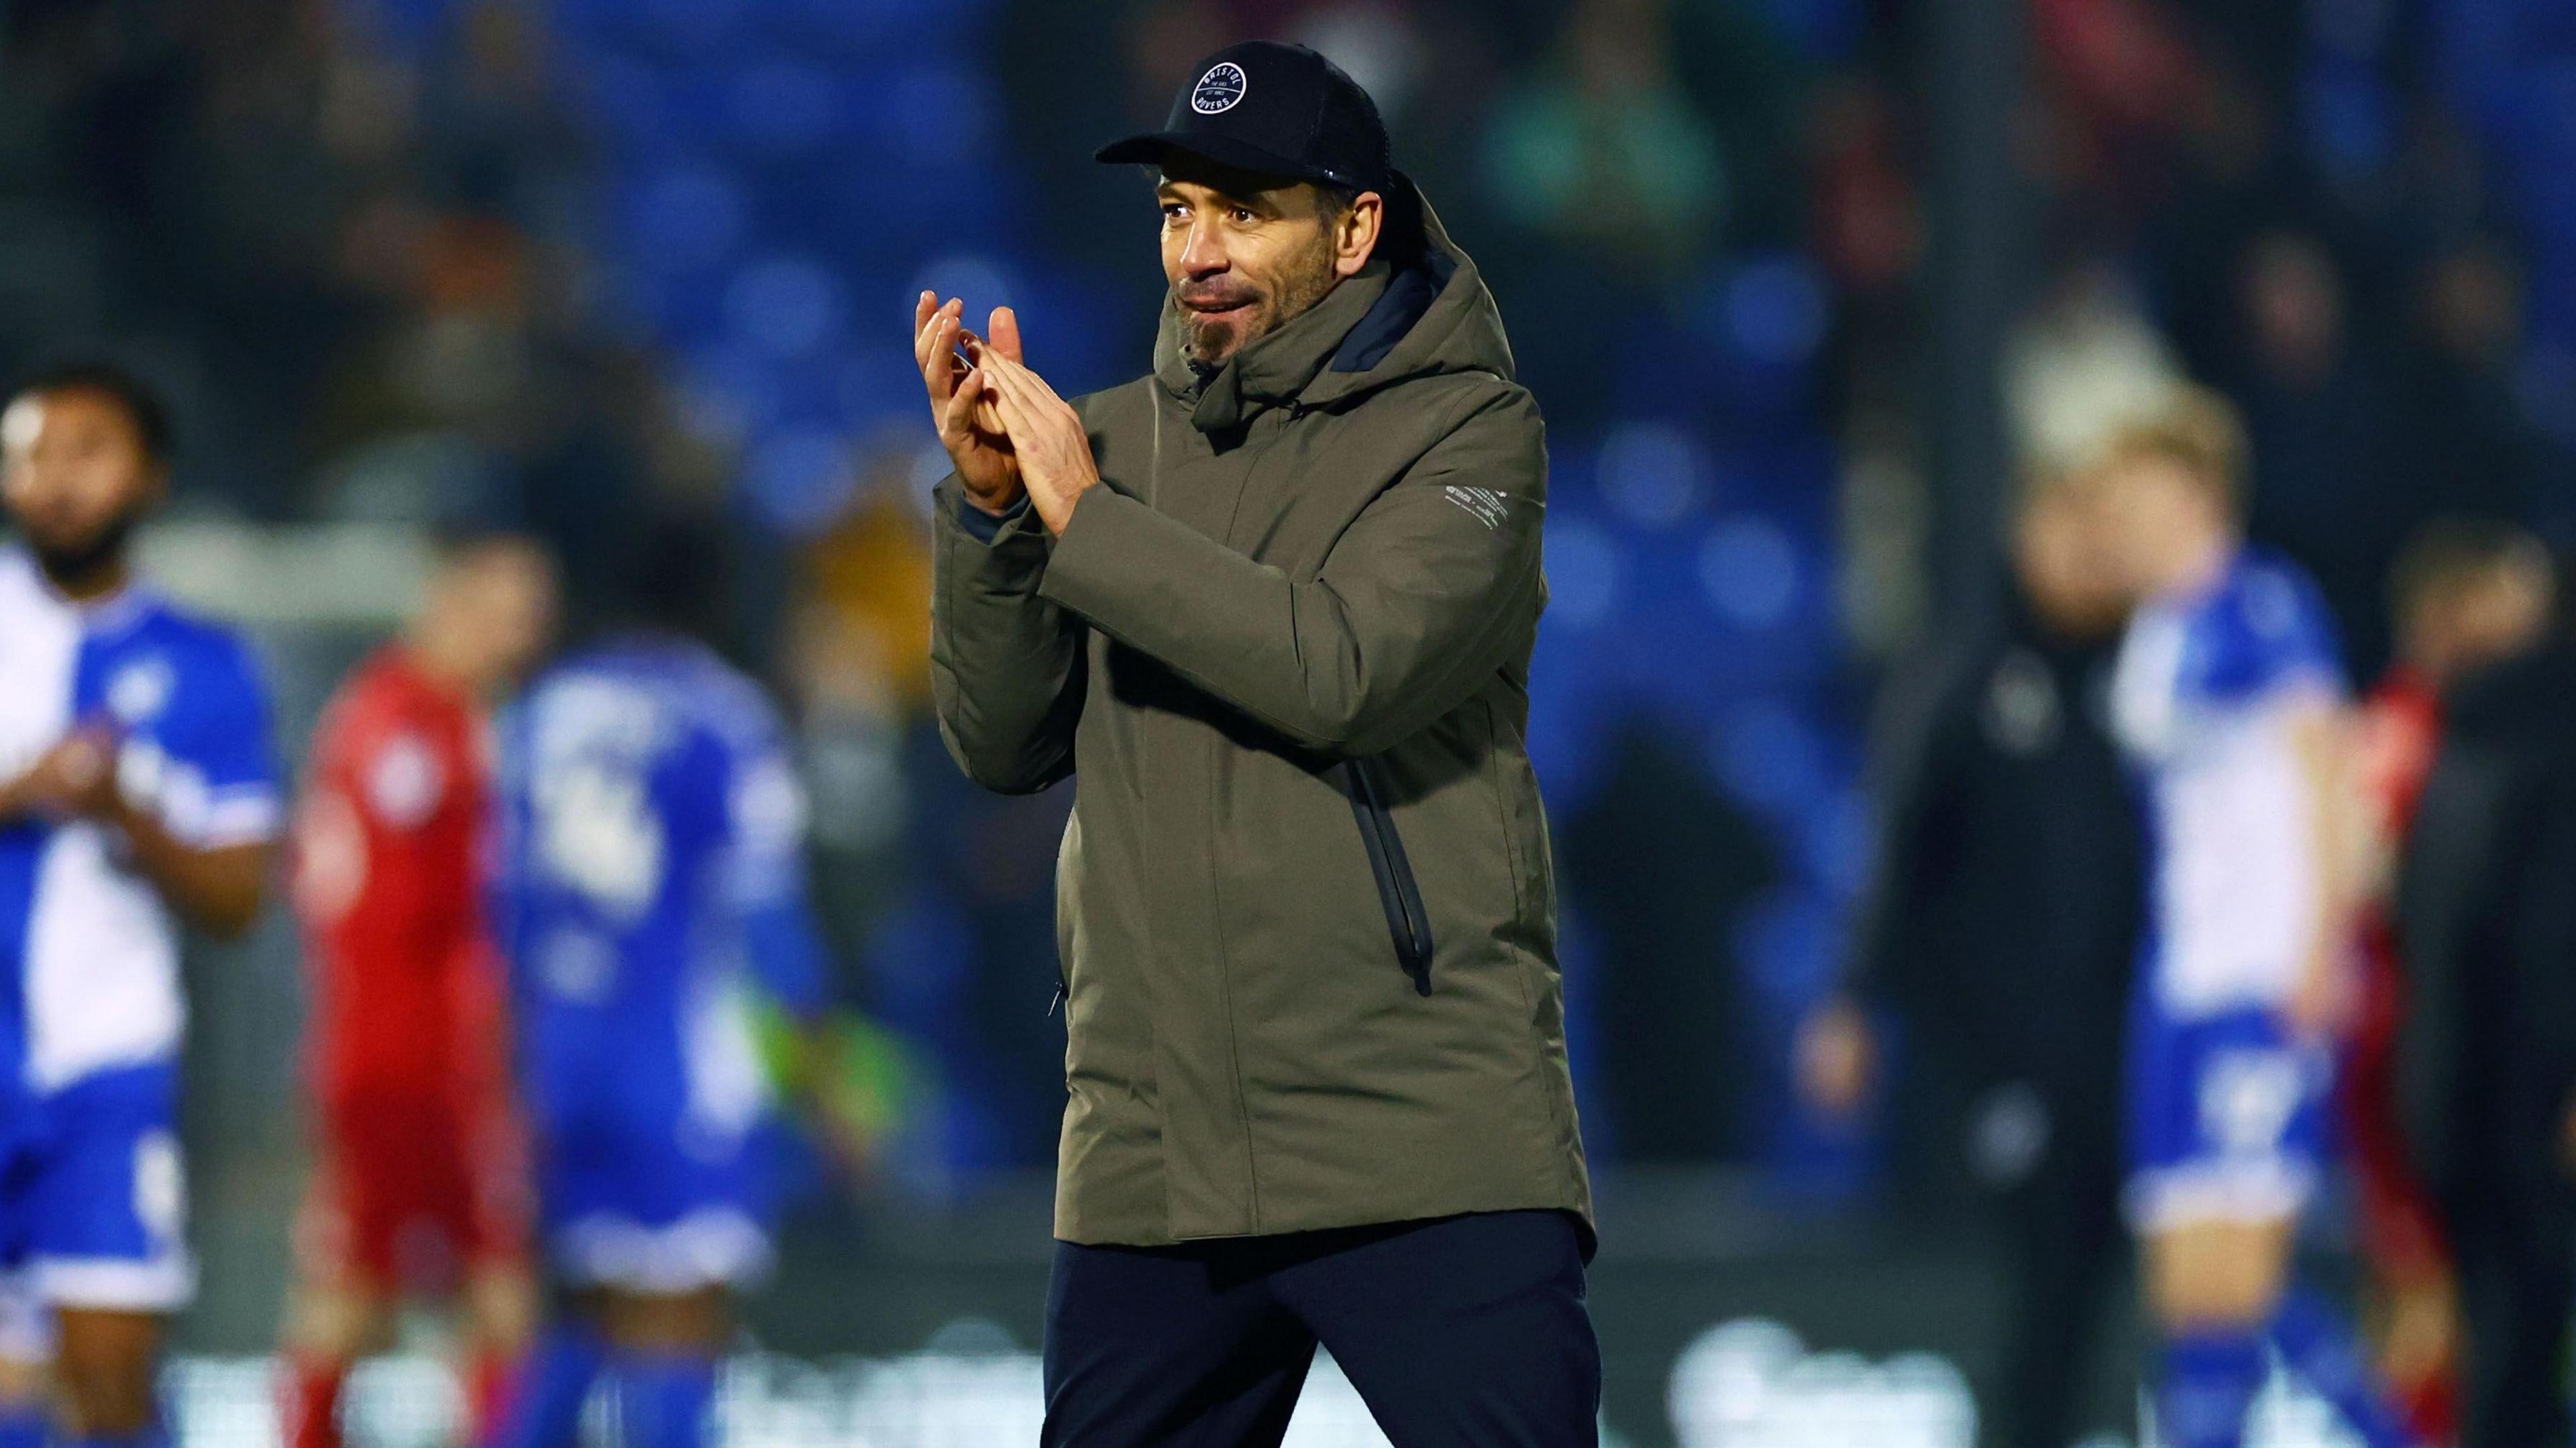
984 527
1096 566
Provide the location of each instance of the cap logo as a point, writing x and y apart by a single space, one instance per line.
1218 90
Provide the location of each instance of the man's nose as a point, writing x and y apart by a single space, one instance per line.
1203 254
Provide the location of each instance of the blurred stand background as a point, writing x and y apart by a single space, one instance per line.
1799 283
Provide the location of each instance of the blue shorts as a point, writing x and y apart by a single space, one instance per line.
93 1194
2227 1117
651 1203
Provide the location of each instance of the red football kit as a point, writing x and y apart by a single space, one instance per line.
2400 1233
421 1169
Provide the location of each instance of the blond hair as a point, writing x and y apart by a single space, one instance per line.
2198 431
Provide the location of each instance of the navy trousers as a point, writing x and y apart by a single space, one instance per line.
1464 1332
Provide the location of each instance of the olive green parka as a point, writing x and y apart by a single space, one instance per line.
1305 912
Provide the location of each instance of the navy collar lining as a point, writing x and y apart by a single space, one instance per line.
1408 295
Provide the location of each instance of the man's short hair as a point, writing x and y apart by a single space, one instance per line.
2447 554
143 407
2035 484
2199 431
457 541
1400 239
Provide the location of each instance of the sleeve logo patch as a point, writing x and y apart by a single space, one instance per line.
140 690
406 781
1484 504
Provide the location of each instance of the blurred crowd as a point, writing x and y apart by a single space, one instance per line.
580 267
569 265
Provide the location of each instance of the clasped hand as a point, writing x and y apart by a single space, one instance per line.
75 779
1006 431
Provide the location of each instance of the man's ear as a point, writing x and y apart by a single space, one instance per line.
1355 234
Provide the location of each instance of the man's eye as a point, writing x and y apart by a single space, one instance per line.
1243 216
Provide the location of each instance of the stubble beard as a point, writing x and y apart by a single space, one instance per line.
1308 281
77 565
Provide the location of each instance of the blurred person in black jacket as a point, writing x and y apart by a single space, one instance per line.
2001 927
2467 594
2486 1053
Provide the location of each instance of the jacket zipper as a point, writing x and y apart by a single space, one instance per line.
1406 922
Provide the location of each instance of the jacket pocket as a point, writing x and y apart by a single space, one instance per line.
1407 924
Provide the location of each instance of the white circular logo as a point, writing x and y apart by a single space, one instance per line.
139 690
2022 713
1218 90
405 781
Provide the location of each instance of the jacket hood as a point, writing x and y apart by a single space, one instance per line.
1390 323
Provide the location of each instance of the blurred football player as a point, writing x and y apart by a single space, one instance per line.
653 873
137 794
2229 701
420 1183
2466 595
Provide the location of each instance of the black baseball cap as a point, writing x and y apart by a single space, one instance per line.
1276 109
